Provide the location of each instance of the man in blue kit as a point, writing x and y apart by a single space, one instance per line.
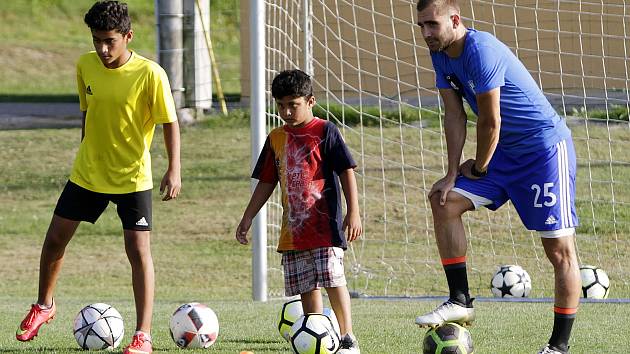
524 154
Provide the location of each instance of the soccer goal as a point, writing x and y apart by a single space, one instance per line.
373 77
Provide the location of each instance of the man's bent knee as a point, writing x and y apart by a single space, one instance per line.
455 205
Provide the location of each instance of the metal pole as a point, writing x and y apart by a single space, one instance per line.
258 135
197 68
171 49
307 23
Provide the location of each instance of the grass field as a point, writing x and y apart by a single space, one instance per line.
42 40
196 259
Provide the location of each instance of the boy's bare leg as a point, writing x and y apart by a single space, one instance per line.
312 301
340 302
59 233
138 248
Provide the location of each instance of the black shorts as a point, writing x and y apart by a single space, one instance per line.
79 204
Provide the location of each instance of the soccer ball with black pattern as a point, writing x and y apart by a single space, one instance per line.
194 325
292 310
449 338
511 281
595 282
289 313
98 326
314 333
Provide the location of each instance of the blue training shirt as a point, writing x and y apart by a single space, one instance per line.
528 121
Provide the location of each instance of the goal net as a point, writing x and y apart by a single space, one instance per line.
373 77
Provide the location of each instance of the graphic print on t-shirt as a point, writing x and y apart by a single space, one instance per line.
303 189
306 161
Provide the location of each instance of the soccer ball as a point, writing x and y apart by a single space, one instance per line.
449 338
98 326
290 313
595 282
511 281
314 333
328 312
194 325
292 310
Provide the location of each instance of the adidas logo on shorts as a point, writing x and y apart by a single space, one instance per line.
550 220
142 222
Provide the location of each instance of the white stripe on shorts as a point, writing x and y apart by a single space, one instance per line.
563 178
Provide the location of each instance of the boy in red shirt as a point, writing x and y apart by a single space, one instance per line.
309 157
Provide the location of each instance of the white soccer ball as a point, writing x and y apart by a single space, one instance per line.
328 312
98 326
292 310
194 325
595 282
511 281
314 333
289 313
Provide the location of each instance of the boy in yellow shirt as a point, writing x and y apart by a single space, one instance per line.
122 96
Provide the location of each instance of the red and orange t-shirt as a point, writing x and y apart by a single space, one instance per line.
307 161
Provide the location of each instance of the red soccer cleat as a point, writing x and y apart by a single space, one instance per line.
36 317
140 344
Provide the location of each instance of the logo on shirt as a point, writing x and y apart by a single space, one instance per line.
88 90
453 81
471 84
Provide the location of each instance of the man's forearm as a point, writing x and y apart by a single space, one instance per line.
487 140
455 133
488 127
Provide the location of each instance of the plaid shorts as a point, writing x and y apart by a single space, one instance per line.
312 269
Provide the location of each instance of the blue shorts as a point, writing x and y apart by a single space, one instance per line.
541 186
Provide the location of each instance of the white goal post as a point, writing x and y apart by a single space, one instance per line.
373 77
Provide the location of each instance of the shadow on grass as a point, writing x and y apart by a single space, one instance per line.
260 344
7 97
38 98
41 350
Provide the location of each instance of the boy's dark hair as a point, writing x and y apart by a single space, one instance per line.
294 83
423 4
108 16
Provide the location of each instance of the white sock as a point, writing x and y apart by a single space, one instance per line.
147 336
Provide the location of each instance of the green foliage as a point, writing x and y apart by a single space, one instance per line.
375 116
349 115
614 112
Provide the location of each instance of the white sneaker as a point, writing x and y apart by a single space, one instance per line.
447 312
548 350
349 345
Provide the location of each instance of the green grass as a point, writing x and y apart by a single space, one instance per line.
42 40
614 112
196 258
383 327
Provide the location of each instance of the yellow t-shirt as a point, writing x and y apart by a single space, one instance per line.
123 106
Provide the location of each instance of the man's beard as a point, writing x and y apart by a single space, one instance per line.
444 45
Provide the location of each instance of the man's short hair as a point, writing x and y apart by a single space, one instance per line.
108 16
441 4
294 83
